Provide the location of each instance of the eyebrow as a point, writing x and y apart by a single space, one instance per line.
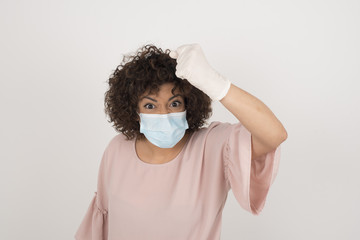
156 100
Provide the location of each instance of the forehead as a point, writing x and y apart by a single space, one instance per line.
164 90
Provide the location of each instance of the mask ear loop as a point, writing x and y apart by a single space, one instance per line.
138 116
137 113
139 120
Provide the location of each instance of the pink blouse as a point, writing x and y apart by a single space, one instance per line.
182 199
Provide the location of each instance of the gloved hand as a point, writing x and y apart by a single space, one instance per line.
193 66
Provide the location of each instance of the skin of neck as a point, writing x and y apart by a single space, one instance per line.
159 154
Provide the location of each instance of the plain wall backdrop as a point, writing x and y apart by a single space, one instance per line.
301 58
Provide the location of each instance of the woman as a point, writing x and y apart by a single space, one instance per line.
165 176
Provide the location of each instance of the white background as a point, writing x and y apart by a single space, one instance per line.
301 58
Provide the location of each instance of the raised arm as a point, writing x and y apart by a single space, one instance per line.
266 130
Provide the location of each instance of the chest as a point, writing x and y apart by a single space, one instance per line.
155 202
170 201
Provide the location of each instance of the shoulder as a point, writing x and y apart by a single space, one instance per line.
117 146
217 126
117 142
215 130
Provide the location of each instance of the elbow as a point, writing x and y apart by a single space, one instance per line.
280 138
284 135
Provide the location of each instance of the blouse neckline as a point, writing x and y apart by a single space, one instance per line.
171 162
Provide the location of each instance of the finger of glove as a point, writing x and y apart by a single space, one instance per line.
184 59
181 71
182 49
174 54
186 51
179 74
184 70
183 66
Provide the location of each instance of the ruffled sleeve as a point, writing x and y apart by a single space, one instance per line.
94 225
249 180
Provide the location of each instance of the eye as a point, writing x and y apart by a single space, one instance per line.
149 106
176 103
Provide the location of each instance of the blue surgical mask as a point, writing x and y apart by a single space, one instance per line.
163 130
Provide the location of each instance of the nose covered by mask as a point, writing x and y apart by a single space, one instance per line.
164 130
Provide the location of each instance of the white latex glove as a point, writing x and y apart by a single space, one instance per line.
193 66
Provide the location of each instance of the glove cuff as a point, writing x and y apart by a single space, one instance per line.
217 87
224 91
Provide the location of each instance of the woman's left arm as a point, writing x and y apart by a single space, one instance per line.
266 130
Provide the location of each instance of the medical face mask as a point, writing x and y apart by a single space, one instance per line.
163 130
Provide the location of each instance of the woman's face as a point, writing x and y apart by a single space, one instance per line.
163 102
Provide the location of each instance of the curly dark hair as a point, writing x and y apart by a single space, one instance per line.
147 70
